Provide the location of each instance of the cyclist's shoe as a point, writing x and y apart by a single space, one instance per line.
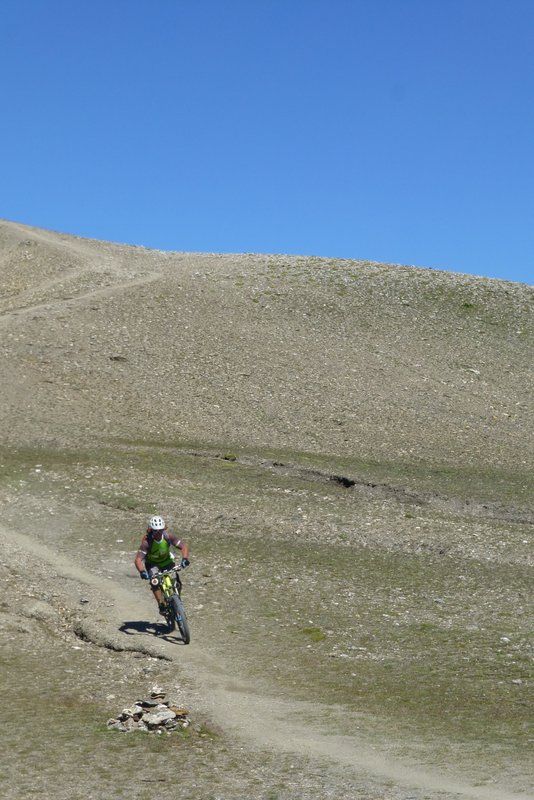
162 609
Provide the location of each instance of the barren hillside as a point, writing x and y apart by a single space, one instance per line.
348 447
341 358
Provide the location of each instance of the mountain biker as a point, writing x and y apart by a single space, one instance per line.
155 554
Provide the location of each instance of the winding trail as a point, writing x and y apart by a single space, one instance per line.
264 720
93 260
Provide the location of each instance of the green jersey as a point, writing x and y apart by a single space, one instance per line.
158 554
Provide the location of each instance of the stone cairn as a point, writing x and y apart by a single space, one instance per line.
152 715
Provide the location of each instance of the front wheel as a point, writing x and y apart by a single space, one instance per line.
169 618
181 620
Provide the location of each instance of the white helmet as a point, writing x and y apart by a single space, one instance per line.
156 524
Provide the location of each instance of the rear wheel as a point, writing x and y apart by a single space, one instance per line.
180 618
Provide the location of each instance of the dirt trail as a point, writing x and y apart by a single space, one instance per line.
253 716
92 258
106 291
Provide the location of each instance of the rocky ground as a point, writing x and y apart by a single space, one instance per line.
347 447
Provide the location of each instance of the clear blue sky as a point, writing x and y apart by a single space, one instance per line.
390 130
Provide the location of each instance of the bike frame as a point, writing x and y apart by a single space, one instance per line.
166 580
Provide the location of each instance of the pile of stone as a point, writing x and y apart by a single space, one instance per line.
152 715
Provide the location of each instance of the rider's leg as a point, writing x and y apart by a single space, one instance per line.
156 591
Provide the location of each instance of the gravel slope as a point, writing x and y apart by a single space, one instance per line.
345 358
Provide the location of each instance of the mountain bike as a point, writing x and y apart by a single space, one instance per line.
174 611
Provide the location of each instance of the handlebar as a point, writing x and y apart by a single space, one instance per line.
156 579
176 568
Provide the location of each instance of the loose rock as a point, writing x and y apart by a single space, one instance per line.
153 715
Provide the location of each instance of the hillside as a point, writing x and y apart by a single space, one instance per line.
348 448
341 358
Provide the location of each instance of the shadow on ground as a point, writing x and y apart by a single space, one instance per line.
134 627
145 628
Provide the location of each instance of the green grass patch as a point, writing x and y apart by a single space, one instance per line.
314 634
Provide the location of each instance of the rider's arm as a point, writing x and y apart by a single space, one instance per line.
176 542
140 561
140 556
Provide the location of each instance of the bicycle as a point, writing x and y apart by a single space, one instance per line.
173 610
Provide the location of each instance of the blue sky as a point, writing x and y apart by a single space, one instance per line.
391 130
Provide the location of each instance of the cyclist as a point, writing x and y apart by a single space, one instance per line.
155 554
